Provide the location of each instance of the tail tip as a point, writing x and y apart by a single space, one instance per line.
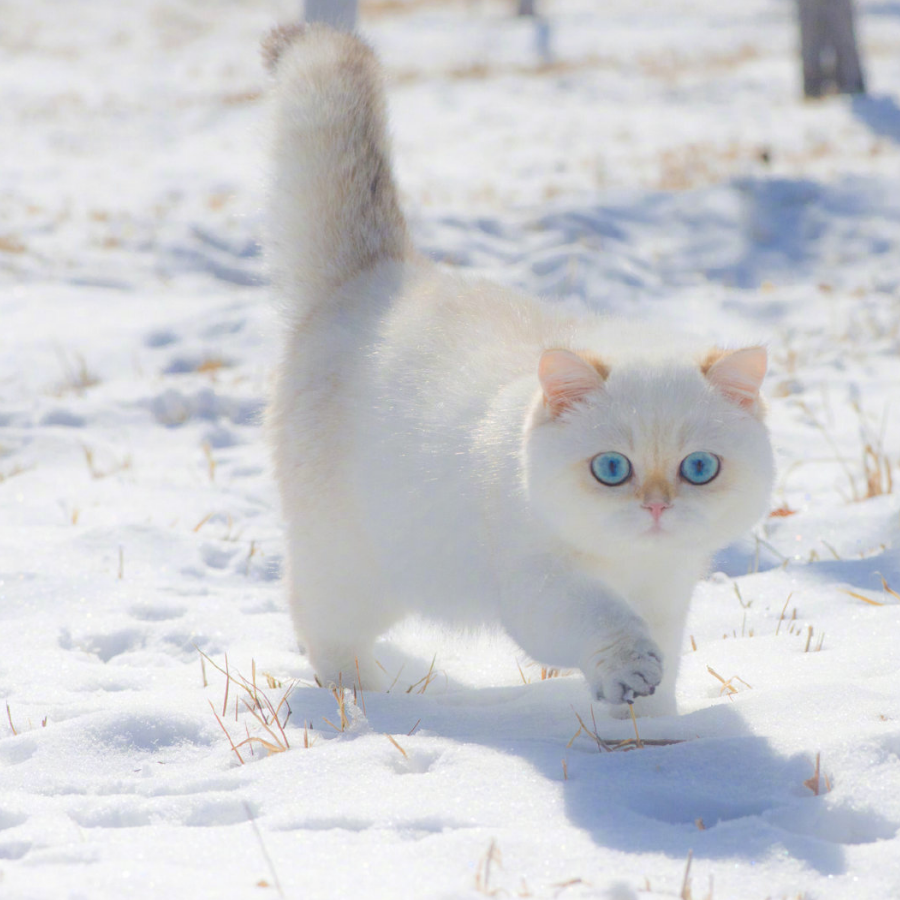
278 40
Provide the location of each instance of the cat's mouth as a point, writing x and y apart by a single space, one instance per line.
655 530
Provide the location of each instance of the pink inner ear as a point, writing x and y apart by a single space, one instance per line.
566 379
739 374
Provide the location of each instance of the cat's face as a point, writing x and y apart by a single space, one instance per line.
649 456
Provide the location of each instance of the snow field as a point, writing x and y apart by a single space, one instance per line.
657 162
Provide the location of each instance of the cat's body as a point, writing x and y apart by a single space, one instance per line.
441 446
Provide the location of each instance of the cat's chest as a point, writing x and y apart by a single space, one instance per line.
656 584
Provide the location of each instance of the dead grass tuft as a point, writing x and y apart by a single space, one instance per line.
728 686
610 746
15 470
13 728
98 472
77 377
818 780
876 476
340 696
425 680
887 589
211 366
210 461
11 244
491 858
270 718
546 672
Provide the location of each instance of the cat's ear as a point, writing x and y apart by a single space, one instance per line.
738 374
567 379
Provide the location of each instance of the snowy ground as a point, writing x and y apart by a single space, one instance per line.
650 158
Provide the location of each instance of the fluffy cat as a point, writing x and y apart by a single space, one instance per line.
458 450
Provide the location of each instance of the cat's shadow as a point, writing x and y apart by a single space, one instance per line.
720 792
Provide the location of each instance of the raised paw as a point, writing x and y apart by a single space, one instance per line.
626 670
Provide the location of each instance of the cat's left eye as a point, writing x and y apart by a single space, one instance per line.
700 467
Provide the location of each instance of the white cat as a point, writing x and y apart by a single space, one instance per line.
462 451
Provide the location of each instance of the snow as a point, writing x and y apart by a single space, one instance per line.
650 159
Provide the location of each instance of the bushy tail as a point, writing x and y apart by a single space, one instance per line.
333 210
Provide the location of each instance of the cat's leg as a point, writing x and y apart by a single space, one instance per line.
567 619
338 605
664 607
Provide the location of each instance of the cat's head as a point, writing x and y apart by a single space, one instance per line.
669 453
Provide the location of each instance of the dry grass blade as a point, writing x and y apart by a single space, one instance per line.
266 714
831 549
868 600
396 677
362 697
686 881
202 522
222 726
405 754
887 588
281 741
429 676
737 592
337 691
521 673
227 685
262 847
727 685
77 376
574 736
637 737
210 460
610 746
483 872
9 717
254 551
255 739
20 470
96 472
813 782
783 611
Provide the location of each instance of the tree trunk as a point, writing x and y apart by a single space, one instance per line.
338 13
527 8
828 45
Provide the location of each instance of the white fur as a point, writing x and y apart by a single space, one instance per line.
423 466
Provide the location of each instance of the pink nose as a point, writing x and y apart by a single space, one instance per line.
656 510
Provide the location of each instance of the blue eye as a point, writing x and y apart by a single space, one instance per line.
700 467
611 468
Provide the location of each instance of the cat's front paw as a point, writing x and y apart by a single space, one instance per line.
626 670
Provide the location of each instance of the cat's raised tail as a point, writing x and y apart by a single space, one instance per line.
333 209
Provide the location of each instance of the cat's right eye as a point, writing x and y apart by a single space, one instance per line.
611 469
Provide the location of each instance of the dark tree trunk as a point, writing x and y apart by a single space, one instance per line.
339 13
828 45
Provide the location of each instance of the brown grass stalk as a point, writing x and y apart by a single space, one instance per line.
405 754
